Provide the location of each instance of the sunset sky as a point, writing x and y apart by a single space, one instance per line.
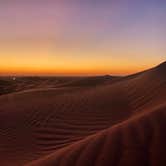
81 37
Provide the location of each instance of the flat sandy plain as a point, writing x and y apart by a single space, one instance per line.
84 121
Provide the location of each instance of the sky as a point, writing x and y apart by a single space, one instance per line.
81 37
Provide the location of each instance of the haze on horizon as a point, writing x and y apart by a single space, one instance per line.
81 37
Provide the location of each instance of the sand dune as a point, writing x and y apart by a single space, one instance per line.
84 121
138 141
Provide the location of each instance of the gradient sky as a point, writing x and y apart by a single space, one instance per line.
75 37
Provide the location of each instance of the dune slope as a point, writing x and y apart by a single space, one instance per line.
140 140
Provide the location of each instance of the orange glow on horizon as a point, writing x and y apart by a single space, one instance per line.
70 62
69 71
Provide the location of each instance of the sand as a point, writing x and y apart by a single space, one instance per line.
68 121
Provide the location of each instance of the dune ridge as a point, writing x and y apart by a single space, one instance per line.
117 145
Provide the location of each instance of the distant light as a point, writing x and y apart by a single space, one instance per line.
14 78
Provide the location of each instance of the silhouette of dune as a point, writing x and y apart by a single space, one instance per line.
84 121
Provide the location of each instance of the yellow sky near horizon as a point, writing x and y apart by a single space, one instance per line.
47 64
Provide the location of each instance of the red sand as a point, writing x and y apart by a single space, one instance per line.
98 121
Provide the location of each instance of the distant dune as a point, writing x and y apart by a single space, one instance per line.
84 121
